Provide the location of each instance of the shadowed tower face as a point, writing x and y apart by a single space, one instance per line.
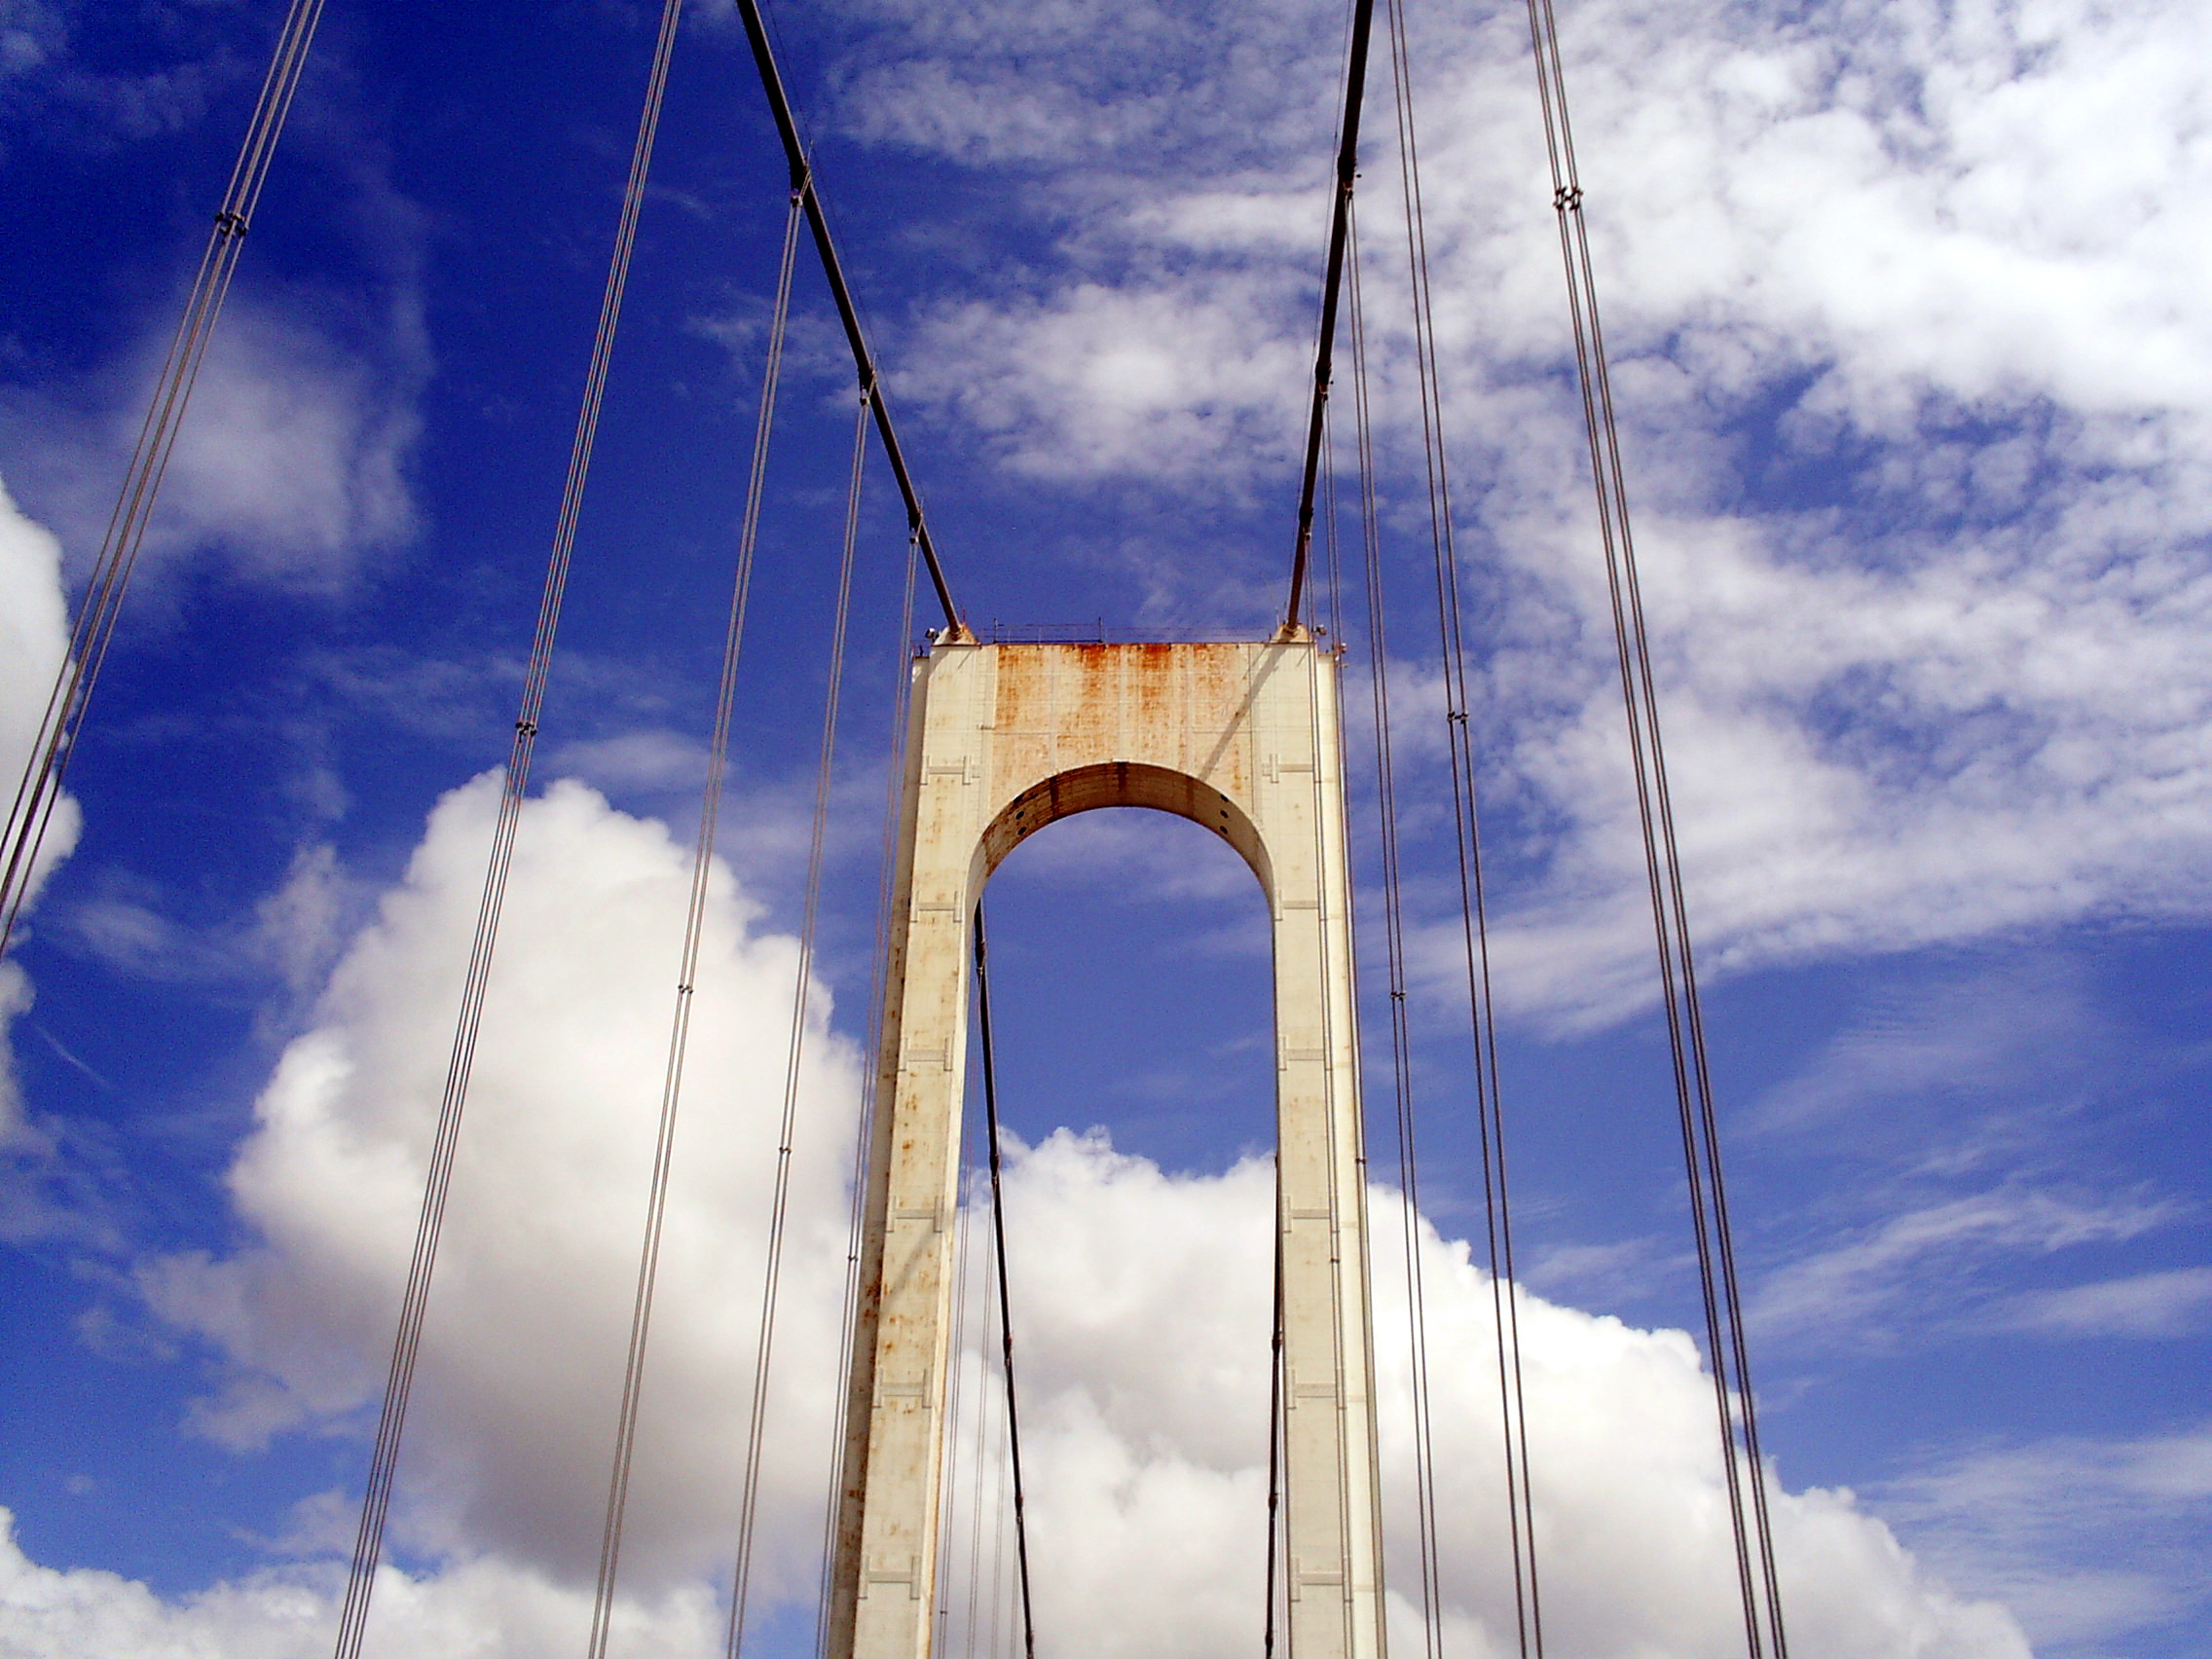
1003 741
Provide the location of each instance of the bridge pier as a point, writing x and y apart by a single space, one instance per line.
1003 740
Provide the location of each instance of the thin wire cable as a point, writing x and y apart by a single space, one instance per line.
1275 1423
694 927
1467 837
982 1449
948 1467
779 1209
1393 918
857 1172
368 1543
1735 1404
1005 1311
38 794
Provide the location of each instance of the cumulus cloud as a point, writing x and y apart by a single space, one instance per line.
1914 379
34 640
539 1256
486 1608
1140 1303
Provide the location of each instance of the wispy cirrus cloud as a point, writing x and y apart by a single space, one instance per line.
2090 1540
2175 1302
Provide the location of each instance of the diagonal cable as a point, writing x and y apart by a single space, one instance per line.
779 1209
1735 1405
39 791
376 1502
694 925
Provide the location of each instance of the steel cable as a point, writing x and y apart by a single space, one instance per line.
779 1210
1468 838
982 1449
1734 1401
38 794
955 1368
368 1543
1006 1309
1393 928
694 926
855 1217
1275 1428
1346 172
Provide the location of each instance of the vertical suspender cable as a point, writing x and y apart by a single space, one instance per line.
1758 1580
1275 1423
857 1172
368 1543
1394 944
694 925
749 1507
39 791
956 1365
983 1441
1005 1308
1505 1317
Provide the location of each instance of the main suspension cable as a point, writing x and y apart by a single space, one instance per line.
848 315
779 1209
1505 1315
38 794
1005 1308
694 926
368 1543
1332 282
1758 1581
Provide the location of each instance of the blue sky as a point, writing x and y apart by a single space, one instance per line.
1907 309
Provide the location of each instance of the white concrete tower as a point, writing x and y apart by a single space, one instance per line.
1003 740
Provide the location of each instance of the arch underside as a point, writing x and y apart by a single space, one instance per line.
1120 782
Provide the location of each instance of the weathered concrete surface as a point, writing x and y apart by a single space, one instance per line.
1004 740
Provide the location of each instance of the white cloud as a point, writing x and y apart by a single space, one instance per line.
1915 380
292 458
2171 1304
539 1256
34 640
2041 1524
1140 1308
1846 1291
485 1609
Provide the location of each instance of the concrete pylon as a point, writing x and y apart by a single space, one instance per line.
1003 740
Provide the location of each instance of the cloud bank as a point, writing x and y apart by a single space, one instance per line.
1141 1307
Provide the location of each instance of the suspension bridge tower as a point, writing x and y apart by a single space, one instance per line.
1003 740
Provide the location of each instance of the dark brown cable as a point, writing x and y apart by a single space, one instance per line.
1005 1304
